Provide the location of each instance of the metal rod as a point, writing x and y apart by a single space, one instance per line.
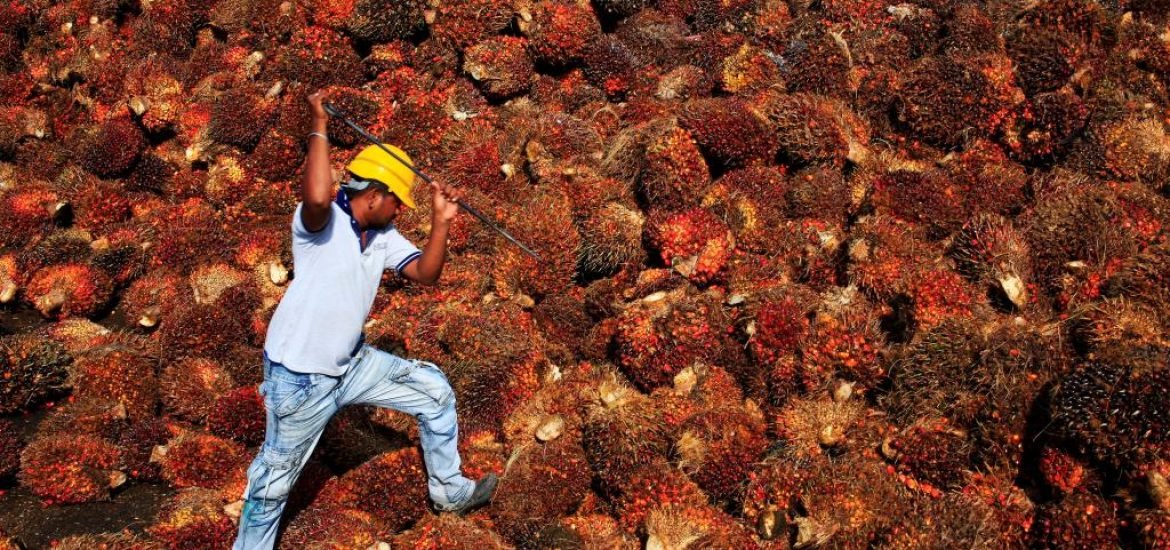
334 112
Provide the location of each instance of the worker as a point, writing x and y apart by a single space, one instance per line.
315 357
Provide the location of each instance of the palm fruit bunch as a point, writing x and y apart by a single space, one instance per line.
196 459
35 368
194 518
71 468
391 487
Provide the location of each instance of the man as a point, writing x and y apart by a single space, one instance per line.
315 359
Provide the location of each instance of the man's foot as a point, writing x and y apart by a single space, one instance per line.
484 489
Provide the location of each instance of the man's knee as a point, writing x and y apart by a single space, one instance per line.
272 475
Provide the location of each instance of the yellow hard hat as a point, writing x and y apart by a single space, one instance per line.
372 163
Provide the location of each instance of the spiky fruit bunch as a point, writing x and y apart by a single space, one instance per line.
238 415
12 277
622 431
701 526
11 444
931 375
803 502
611 65
697 389
240 117
69 289
501 65
728 131
751 201
391 487
990 251
195 459
1047 126
661 334
1079 521
694 242
650 487
201 330
337 528
191 387
138 441
439 532
813 129
611 237
946 100
553 234
885 255
544 481
121 373
194 518
820 61
931 453
91 416
28 211
1112 408
718 447
586 529
319 57
70 468
96 155
558 32
1064 473
1044 59
811 427
34 368
844 340
675 174
942 294
380 21
1143 277
922 195
148 298
105 541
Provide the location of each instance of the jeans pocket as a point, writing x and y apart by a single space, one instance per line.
284 398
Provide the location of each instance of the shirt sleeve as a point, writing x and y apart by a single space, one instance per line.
399 251
302 233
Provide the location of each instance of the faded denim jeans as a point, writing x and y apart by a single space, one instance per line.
299 406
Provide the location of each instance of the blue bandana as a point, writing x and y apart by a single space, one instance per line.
343 202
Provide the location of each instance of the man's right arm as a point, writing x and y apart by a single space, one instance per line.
317 185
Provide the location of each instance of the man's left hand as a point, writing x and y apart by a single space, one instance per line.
444 201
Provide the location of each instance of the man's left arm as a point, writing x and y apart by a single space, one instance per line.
444 207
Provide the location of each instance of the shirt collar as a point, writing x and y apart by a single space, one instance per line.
343 203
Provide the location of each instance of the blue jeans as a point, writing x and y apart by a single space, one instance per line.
299 406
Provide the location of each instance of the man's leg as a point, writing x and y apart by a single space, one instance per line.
419 389
298 407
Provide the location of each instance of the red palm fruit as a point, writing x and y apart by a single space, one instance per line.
190 387
99 204
240 117
921 195
70 468
319 57
611 65
155 95
391 487
684 82
697 389
202 330
553 412
820 192
1013 511
34 368
500 65
971 30
543 482
480 451
1079 521
622 431
167 26
1152 528
955 519
12 277
931 376
751 201
611 237
238 415
585 530
277 156
820 425
717 448
558 32
495 364
1112 408
11 444
694 242
650 487
699 526
336 528
19 123
137 442
941 294
844 340
194 518
1044 59
818 61
29 211
932 454
886 255
663 333
105 541
1065 474
808 251
195 459
381 21
448 531
1047 125
675 174
750 68
1143 277
462 24
148 299
96 155
990 251
63 290
553 235
1075 226
813 129
947 100
62 246
728 131
89 416
359 106
120 373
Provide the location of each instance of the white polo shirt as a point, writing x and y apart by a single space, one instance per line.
319 320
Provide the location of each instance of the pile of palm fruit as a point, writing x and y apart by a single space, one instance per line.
848 273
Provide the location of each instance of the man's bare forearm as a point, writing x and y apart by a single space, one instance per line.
434 253
317 185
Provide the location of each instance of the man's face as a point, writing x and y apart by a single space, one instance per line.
385 209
